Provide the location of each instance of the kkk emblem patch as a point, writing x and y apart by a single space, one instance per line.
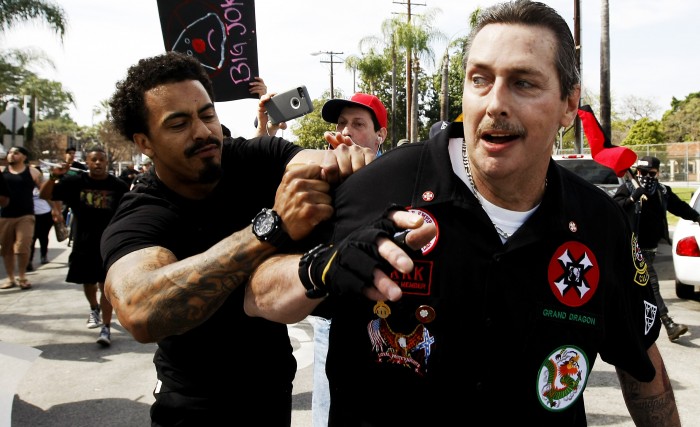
573 274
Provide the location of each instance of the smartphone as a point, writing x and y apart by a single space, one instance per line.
289 105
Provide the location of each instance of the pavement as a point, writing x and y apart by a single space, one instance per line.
53 373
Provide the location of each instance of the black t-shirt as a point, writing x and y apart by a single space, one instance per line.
199 361
93 202
485 328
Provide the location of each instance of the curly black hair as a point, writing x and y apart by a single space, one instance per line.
128 108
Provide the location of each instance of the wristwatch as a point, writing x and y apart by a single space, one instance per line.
267 227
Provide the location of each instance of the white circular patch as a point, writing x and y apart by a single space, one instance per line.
429 219
562 378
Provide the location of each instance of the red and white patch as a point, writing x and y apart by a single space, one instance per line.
418 281
428 196
573 274
428 219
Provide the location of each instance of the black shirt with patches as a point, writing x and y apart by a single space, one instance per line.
516 327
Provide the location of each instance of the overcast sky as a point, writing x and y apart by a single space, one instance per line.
654 53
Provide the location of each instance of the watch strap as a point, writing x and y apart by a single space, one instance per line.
313 290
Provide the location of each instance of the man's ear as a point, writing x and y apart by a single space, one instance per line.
571 112
143 143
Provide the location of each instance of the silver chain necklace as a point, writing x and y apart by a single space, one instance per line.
468 170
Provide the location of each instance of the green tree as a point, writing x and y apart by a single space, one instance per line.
385 90
51 138
45 98
412 39
451 85
309 129
372 67
644 132
682 122
14 12
16 66
15 77
49 99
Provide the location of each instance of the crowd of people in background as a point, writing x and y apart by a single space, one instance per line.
78 196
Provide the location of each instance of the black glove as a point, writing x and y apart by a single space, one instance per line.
638 193
348 266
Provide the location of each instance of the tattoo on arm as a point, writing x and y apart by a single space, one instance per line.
649 405
183 294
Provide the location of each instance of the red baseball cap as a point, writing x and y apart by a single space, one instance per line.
332 108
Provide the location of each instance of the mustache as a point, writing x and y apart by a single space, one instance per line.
201 143
500 126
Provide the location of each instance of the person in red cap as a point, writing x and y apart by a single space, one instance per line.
362 118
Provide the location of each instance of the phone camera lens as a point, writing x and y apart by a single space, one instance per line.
295 103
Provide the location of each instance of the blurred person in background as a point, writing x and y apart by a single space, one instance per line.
17 218
93 198
646 207
128 174
44 215
75 168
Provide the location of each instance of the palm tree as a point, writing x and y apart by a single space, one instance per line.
371 65
414 38
15 78
15 65
13 12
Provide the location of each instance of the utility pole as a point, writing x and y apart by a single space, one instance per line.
578 135
330 61
605 101
409 72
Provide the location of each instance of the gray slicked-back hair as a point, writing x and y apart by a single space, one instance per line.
531 13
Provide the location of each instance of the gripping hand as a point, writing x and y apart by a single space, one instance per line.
638 193
348 266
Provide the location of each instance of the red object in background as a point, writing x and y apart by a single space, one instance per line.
619 159
688 247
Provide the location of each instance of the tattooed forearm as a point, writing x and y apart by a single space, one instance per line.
650 403
162 296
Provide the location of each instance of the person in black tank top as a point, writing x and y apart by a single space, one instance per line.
17 218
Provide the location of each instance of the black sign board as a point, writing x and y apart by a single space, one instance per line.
221 34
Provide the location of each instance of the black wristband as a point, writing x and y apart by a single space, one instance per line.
313 290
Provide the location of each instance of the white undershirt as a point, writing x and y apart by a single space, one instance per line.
506 219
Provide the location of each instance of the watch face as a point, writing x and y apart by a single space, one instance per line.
264 223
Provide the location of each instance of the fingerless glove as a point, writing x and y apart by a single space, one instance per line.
348 266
